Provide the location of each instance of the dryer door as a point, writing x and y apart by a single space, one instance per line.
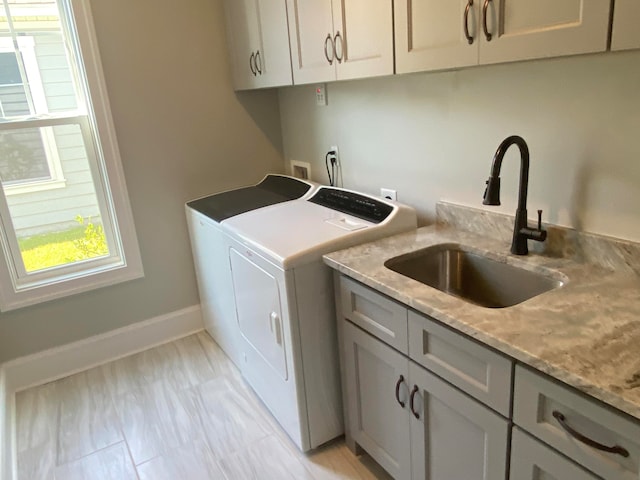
258 303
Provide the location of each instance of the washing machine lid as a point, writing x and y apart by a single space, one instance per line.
273 189
301 231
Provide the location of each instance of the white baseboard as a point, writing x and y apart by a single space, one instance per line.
59 362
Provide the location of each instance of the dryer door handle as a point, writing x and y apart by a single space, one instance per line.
276 327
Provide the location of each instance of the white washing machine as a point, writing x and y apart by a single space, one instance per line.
209 249
285 301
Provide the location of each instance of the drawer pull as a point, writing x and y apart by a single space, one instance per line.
587 441
398 383
413 394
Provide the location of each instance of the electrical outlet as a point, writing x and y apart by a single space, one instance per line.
388 194
334 148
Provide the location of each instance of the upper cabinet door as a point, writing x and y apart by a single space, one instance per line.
626 20
526 29
312 41
433 35
259 43
363 38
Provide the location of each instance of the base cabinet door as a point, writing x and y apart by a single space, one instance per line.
533 460
378 398
452 435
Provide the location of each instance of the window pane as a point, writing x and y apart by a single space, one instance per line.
61 226
30 15
22 157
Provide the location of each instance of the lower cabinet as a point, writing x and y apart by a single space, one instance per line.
414 424
533 460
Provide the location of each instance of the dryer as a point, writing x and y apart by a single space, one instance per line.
209 252
284 301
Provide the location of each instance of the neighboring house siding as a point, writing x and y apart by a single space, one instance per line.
56 209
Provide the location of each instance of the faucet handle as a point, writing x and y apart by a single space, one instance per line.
539 219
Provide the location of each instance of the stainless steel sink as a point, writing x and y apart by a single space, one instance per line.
456 270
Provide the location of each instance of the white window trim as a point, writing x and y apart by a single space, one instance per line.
57 180
130 266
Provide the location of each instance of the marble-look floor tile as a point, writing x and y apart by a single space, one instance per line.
229 419
218 360
193 461
155 418
112 463
336 462
37 414
145 368
194 361
88 420
37 462
266 459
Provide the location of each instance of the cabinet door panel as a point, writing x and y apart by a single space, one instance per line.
309 25
455 436
376 420
366 28
533 460
273 44
537 401
475 369
522 29
429 34
242 28
258 27
626 25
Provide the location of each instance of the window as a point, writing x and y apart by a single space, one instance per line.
65 221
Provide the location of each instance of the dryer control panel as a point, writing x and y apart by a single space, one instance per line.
352 203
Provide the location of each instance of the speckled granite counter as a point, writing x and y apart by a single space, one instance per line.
586 333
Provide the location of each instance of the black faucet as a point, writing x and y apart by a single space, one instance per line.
521 230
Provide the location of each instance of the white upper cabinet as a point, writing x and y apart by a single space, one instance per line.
626 25
525 29
259 43
430 34
437 34
340 39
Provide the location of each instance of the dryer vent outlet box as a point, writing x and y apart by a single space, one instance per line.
300 170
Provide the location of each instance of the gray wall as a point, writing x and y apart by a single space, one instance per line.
182 133
432 136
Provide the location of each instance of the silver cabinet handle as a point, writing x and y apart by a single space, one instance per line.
465 22
328 42
252 60
485 7
258 61
335 47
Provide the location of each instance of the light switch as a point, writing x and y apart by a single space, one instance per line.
321 95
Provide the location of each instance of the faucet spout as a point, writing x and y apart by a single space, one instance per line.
521 230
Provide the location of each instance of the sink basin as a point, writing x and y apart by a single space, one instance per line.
460 272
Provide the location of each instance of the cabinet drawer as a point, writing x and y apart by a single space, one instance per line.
533 460
475 369
374 313
538 402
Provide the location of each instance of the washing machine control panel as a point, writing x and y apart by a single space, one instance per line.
352 203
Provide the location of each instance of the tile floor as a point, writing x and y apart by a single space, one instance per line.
177 411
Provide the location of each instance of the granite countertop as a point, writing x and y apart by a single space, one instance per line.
586 333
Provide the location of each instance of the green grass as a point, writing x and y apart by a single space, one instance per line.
60 248
34 241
